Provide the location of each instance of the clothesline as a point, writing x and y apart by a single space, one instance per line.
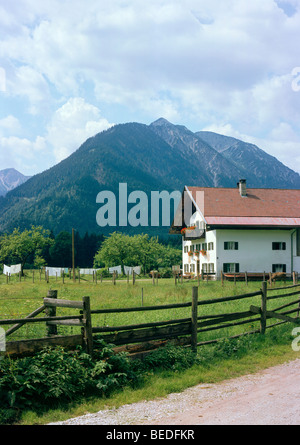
127 269
10 270
57 271
53 271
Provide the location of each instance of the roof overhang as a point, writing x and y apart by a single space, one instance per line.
251 222
186 208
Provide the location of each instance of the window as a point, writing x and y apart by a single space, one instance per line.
278 246
186 268
208 268
278 268
210 246
204 246
231 245
211 267
298 242
186 249
192 268
198 247
231 267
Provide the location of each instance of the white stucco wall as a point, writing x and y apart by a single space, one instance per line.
254 254
210 237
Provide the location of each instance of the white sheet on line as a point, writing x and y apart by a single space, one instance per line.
53 271
12 269
117 269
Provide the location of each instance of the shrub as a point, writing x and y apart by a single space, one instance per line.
175 358
55 376
166 273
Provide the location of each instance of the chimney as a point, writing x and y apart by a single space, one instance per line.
242 187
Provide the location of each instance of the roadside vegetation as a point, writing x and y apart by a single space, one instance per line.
55 385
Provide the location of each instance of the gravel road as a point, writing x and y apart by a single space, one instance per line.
270 397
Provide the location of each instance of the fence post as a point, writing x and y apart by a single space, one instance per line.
87 329
51 312
194 319
263 320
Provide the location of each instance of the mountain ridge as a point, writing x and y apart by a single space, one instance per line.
10 178
156 157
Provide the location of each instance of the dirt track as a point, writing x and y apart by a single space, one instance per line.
270 397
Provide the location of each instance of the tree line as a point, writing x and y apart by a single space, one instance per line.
37 247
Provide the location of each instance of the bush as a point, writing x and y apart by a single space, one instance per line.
104 272
166 273
175 358
55 376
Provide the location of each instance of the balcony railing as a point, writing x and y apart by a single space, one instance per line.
190 234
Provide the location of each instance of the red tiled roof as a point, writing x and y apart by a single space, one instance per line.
259 204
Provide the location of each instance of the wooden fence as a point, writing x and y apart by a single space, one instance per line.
263 276
138 338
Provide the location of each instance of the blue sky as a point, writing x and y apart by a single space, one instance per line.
70 69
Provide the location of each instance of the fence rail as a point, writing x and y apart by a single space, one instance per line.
184 331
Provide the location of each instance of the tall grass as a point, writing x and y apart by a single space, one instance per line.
18 299
214 363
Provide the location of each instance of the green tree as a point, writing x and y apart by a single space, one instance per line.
169 256
61 250
146 251
18 246
116 249
137 250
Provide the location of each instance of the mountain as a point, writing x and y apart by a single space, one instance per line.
207 163
156 157
260 167
10 179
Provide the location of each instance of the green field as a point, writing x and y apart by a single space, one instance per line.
214 363
19 299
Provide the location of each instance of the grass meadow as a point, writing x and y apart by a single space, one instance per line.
19 299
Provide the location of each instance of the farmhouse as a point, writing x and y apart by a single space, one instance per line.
234 230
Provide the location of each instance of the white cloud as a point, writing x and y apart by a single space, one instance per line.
9 124
22 154
26 82
72 124
221 64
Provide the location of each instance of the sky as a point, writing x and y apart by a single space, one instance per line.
70 69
